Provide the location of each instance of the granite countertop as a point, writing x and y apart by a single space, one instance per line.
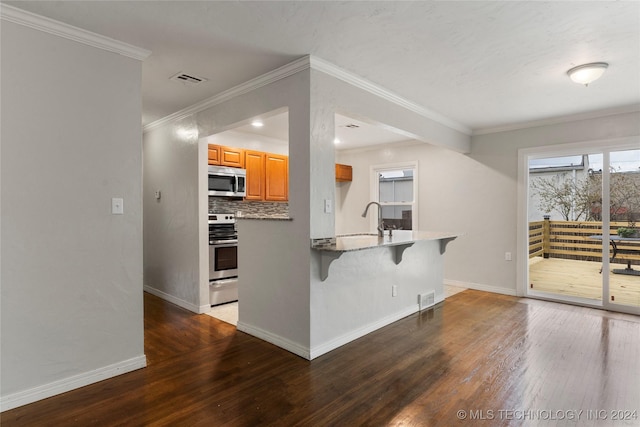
356 242
265 217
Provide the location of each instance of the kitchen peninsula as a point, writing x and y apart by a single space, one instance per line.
363 282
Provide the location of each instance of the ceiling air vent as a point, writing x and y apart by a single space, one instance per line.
189 79
352 126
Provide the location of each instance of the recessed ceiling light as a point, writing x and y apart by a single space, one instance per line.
336 141
257 124
587 73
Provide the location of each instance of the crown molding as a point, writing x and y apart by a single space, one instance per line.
253 84
364 84
60 29
633 108
308 62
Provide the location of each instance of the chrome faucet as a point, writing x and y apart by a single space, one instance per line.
380 222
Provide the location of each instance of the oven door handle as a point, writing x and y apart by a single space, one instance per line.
223 242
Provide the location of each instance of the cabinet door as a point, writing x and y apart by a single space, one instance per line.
232 157
276 177
214 154
254 163
344 173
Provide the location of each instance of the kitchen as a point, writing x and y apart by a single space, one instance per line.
241 187
266 137
247 176
278 272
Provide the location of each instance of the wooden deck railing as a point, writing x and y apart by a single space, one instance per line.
570 240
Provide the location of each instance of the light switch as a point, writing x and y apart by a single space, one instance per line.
328 208
157 194
117 206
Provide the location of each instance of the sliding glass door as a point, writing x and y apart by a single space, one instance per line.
624 238
582 213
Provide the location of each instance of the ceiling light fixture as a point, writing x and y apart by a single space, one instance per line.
587 73
257 124
336 141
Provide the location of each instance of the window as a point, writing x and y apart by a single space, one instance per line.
395 188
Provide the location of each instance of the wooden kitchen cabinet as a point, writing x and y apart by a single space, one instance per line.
254 163
232 157
214 155
267 176
344 173
276 171
226 156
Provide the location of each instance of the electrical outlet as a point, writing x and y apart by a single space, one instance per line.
394 290
507 256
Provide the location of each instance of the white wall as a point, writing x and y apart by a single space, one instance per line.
475 194
71 271
172 230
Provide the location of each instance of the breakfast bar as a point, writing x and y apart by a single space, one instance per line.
362 282
332 249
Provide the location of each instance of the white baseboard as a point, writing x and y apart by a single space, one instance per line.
31 395
362 331
317 351
177 301
481 287
281 342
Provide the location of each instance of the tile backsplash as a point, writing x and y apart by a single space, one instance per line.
248 208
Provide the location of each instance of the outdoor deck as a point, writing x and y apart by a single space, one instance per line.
582 279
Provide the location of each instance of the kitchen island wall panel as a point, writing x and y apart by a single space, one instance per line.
356 298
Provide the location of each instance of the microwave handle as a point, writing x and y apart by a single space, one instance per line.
237 184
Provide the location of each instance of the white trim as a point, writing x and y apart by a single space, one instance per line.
60 29
364 84
277 340
326 347
246 87
177 301
481 287
309 62
375 191
569 299
34 394
633 108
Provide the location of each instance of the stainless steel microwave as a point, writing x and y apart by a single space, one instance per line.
227 182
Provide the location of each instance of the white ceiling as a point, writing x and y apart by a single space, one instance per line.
482 64
350 132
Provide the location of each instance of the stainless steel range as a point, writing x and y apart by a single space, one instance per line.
223 258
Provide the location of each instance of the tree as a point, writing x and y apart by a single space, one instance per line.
575 198
569 196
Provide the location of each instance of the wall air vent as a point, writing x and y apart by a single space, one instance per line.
188 79
427 300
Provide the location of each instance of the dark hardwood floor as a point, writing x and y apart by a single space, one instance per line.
490 356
